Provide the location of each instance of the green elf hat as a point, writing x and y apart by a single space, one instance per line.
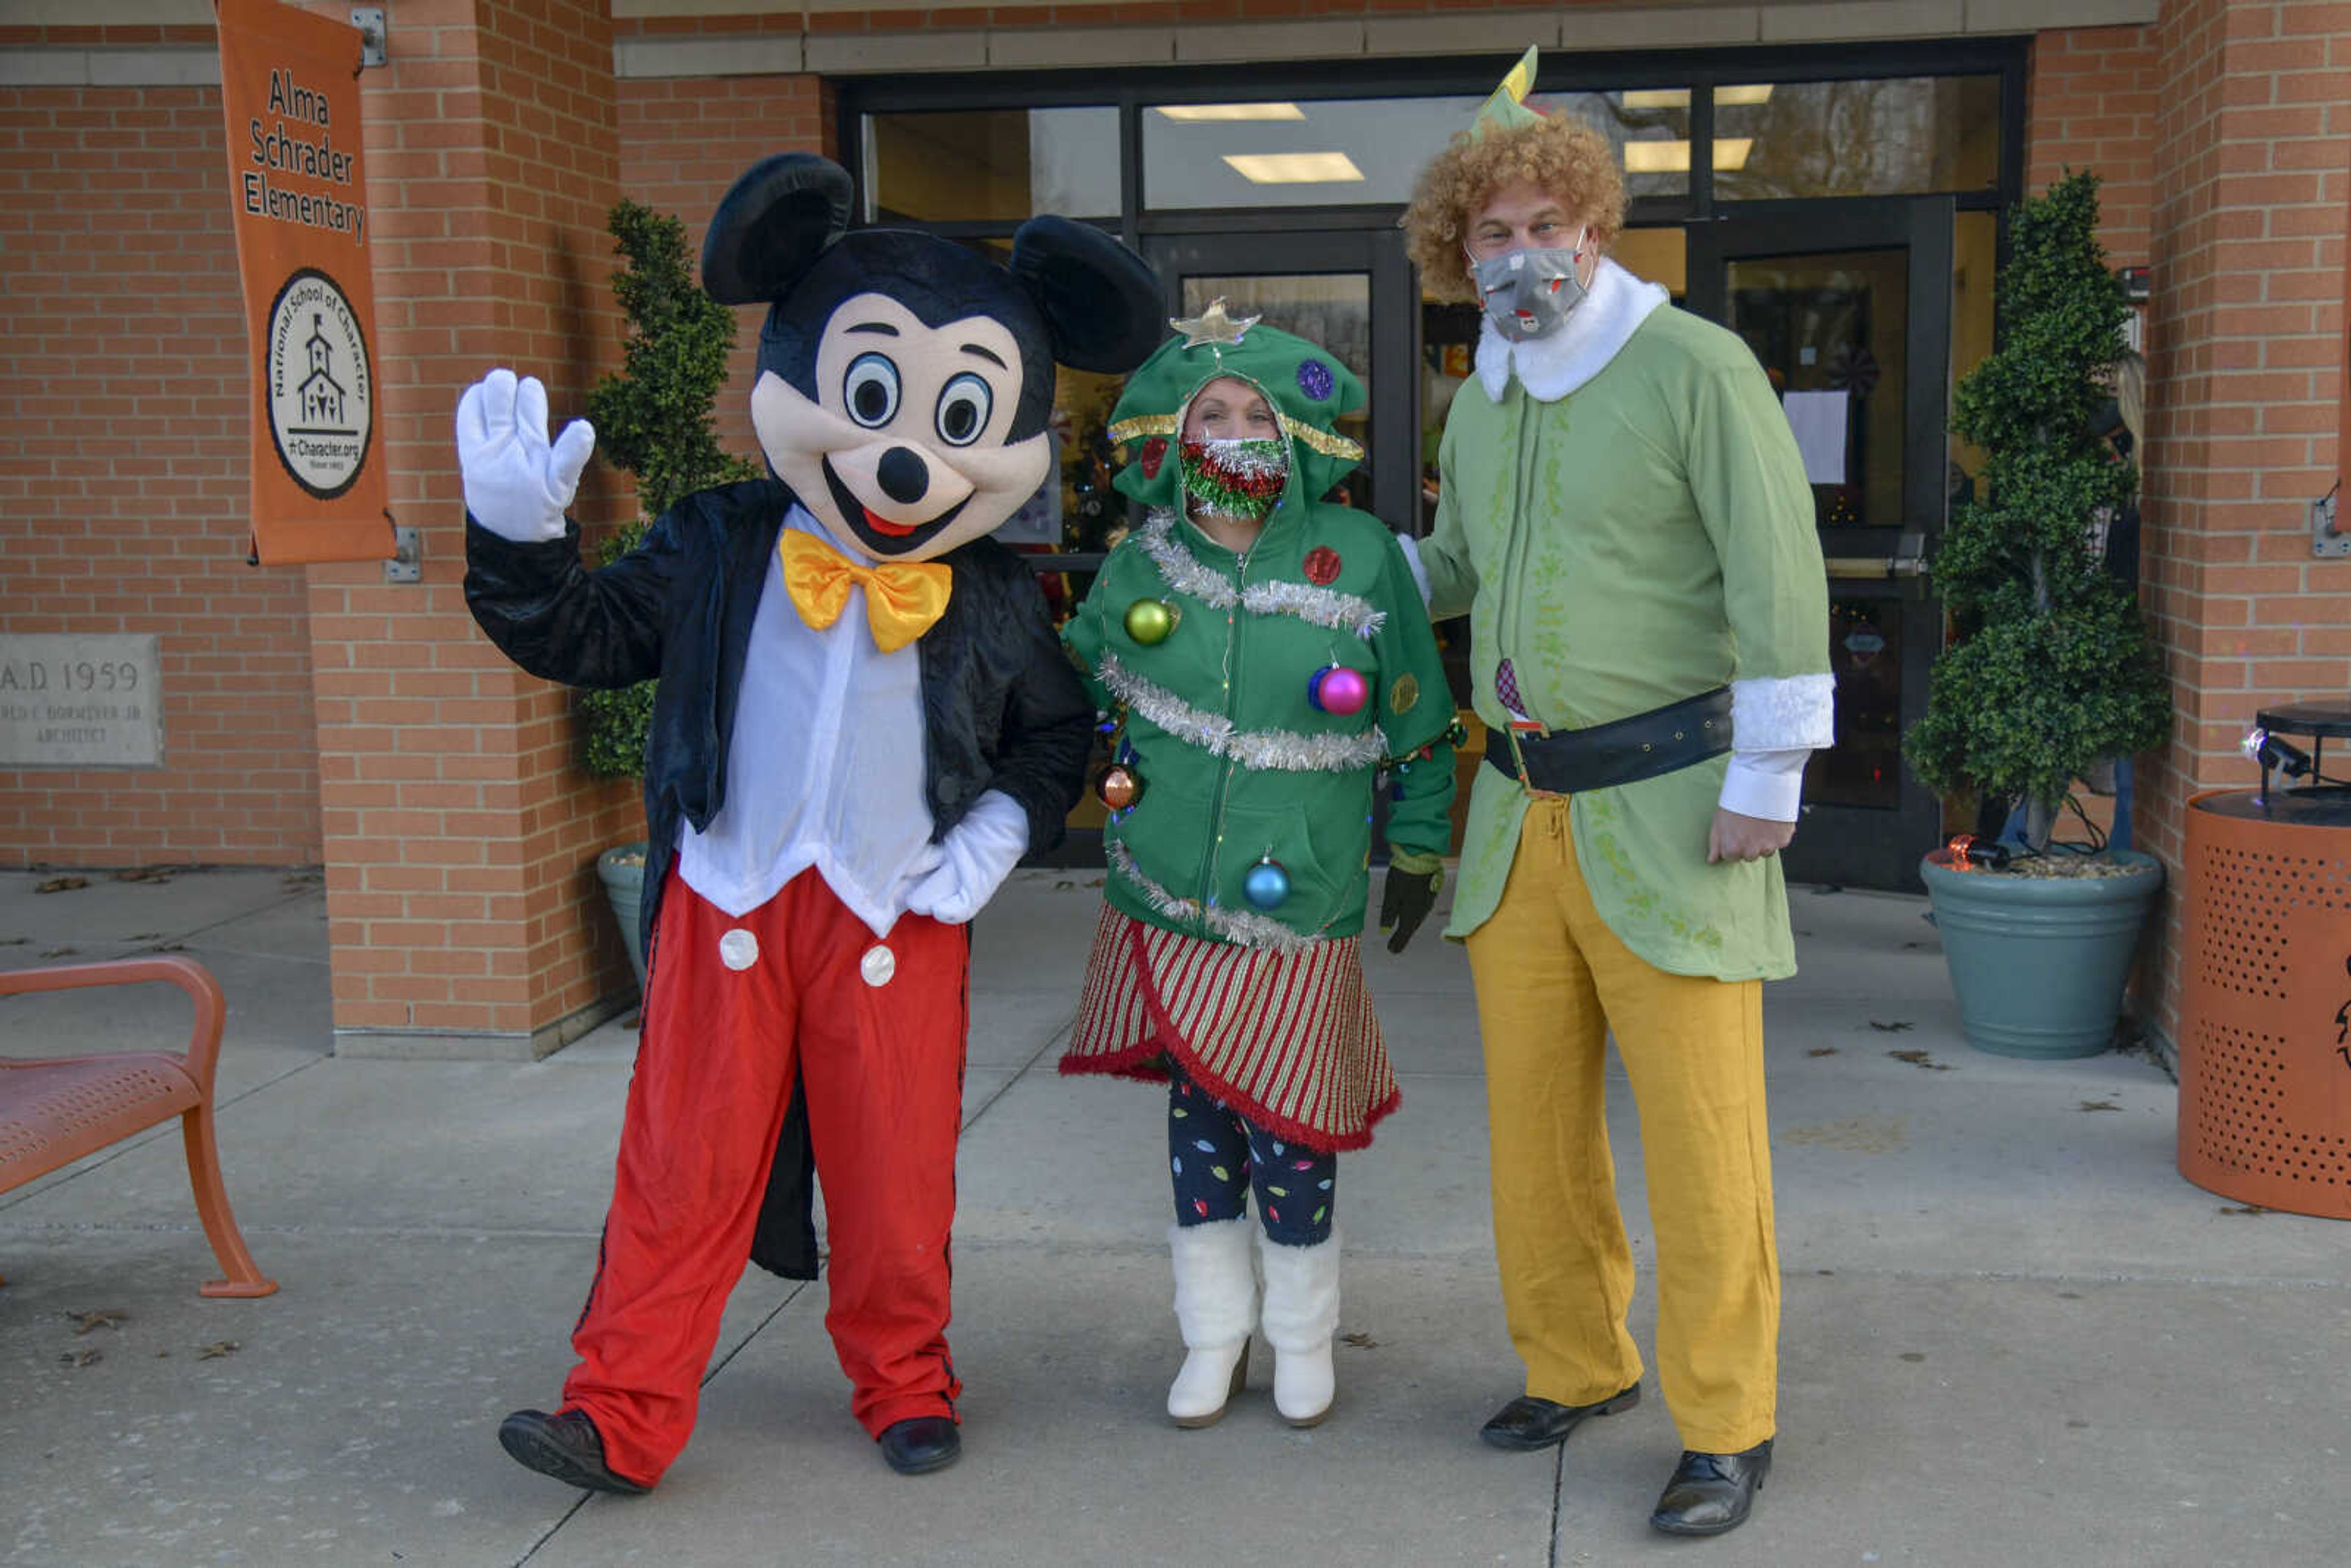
1506 107
1306 384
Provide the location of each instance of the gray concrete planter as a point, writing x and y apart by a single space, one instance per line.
621 868
2039 963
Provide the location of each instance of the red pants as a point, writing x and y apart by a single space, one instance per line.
734 1007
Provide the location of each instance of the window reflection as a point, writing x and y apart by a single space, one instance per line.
983 165
1887 136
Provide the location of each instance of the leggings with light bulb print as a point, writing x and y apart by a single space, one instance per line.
1214 1156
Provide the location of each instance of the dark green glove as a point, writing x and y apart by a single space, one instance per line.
1414 881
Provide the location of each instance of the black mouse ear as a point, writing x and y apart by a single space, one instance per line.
1101 301
772 225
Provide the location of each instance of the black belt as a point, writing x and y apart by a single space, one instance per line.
1662 740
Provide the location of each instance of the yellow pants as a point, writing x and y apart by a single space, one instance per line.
1553 982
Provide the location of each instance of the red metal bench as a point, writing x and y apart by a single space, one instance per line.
54 1109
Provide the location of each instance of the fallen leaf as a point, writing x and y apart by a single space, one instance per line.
169 948
1361 1341
2248 1209
1065 882
1826 888
144 936
2099 1105
1919 1059
62 884
218 1348
1822 1051
1897 1027
1097 882
143 873
14 941
103 1318
57 952
81 1357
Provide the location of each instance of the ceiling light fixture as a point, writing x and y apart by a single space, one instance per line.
1674 157
1294 168
1200 112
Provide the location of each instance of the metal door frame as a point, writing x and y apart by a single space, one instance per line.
1855 845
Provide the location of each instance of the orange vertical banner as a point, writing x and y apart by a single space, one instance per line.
289 85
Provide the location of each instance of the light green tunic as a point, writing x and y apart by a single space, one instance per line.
1642 540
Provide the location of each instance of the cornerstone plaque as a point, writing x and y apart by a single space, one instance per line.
81 701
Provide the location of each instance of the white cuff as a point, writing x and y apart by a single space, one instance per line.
1419 574
1769 784
978 852
1784 712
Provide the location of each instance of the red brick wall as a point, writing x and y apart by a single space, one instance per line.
123 396
2253 132
2090 104
461 834
682 142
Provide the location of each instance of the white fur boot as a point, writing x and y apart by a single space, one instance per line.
1215 1300
1301 1314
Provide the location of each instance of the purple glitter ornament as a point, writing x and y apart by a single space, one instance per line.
1315 378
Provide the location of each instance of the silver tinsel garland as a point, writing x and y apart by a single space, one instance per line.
1284 749
1240 927
1182 571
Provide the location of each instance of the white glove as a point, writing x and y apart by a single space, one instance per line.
517 486
979 852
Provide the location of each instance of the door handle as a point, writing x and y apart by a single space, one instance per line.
1908 560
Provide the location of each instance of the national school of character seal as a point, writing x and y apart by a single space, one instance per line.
319 387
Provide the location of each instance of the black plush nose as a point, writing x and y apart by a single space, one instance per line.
904 476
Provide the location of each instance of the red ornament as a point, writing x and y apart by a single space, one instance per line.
1323 566
1154 453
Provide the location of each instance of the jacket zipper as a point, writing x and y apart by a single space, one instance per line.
1225 773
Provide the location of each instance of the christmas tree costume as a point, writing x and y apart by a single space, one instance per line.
1262 693
1623 516
863 721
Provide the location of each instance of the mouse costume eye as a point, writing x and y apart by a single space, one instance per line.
964 409
870 389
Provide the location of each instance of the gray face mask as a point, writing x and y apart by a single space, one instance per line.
1528 293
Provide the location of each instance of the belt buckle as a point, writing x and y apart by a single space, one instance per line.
1526 781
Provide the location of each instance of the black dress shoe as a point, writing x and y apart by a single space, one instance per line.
1526 1422
566 1446
1711 1493
921 1443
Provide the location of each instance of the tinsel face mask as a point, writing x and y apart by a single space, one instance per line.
1235 478
1529 293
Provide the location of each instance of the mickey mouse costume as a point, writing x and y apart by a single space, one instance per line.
863 721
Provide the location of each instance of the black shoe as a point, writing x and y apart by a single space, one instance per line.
921 1443
1711 1493
1526 1422
566 1446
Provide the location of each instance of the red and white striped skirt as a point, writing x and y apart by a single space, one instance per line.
1287 1039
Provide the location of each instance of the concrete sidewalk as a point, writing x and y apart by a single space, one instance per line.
2012 1335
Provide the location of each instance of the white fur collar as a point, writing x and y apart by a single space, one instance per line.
1551 366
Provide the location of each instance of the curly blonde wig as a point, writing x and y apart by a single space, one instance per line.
1565 157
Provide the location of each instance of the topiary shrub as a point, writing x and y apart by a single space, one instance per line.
2051 671
652 418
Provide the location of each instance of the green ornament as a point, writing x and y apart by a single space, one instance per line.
1149 621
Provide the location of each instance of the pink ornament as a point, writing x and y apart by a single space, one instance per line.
1337 689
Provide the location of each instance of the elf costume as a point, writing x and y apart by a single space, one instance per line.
1625 520
1260 695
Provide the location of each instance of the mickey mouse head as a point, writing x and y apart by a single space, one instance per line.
905 382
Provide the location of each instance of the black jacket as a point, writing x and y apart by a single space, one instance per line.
1002 709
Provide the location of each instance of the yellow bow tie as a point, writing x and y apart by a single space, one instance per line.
901 601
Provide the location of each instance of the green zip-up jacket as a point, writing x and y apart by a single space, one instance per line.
1237 764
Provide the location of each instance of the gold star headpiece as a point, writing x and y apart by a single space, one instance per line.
1212 326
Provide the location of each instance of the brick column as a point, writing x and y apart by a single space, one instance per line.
461 835
2253 131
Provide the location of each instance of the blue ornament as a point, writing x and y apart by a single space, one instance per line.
1315 378
1266 884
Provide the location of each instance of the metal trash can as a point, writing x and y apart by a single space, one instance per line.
2265 1008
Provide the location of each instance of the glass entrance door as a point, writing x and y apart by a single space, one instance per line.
1350 290
1848 308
